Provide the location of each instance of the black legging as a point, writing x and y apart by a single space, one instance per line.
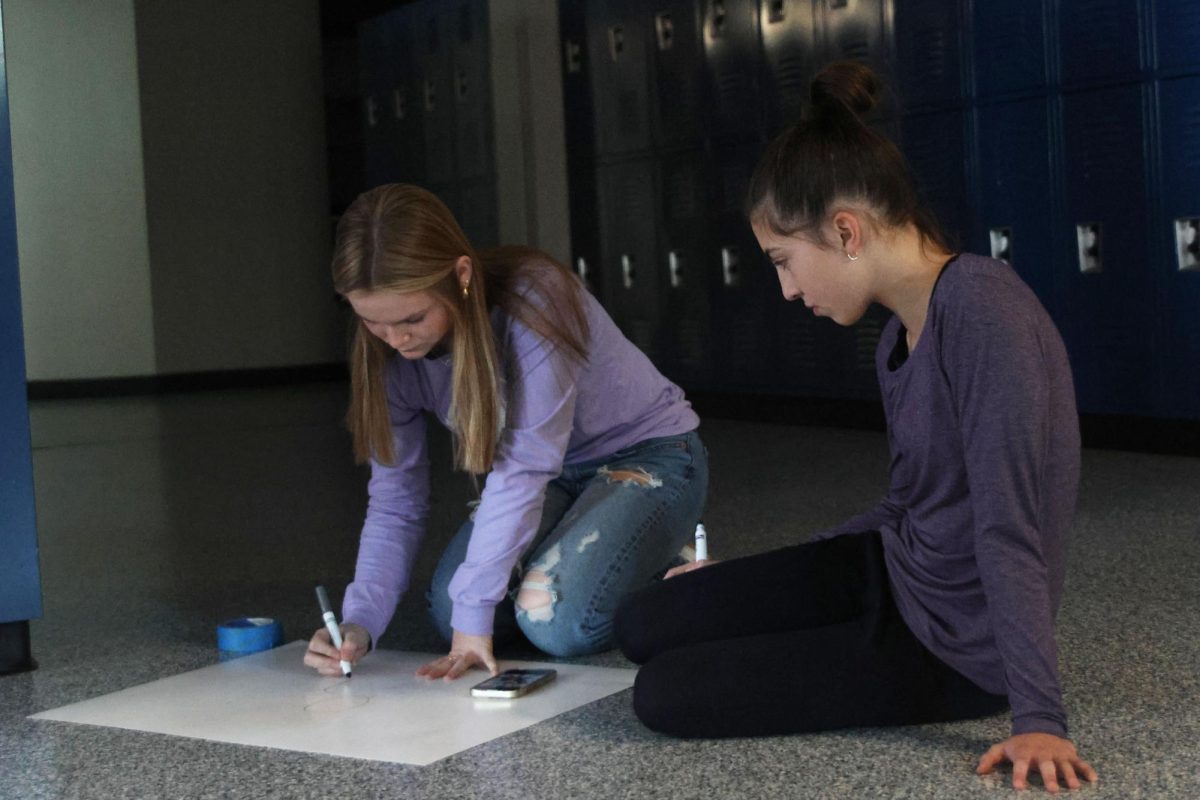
806 638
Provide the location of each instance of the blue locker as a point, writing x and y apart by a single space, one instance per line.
433 28
854 30
935 146
791 57
1099 40
928 44
733 62
627 249
1177 35
381 155
678 73
1177 230
1016 184
1009 43
20 579
478 212
472 90
745 292
1106 304
585 226
682 246
577 80
618 47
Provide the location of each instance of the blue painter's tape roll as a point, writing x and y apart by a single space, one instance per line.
239 637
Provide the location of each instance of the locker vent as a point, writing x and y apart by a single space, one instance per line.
866 339
689 333
800 341
931 57
855 49
792 78
627 108
732 90
683 200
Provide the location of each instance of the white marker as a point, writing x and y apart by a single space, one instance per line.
701 542
331 625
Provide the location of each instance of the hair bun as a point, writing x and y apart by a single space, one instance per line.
846 85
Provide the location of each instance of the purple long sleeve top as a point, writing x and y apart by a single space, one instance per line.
558 411
984 439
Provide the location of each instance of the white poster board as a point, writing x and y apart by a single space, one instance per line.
383 713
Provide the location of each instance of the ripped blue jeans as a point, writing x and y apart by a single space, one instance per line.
608 527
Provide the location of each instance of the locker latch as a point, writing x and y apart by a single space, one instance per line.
665 29
729 266
1001 241
627 270
372 112
675 268
1087 237
574 55
776 11
616 41
1187 243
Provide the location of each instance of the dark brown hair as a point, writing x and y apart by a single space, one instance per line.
833 156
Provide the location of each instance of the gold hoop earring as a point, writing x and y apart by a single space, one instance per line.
465 285
852 258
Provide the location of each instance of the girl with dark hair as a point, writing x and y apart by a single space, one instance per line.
939 603
595 475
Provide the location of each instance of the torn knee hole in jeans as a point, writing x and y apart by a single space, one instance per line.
634 476
537 596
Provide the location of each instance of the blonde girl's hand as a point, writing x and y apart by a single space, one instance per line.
326 659
689 567
1050 755
466 651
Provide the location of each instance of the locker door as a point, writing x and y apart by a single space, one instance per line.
1177 228
1176 34
478 214
472 90
20 578
853 30
585 225
627 247
789 41
683 237
1016 185
746 294
375 47
935 147
732 59
929 53
404 99
618 46
1106 305
1099 40
678 77
1010 47
433 30
577 79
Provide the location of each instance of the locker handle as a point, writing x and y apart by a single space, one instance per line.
718 14
430 96
616 41
372 113
665 30
574 54
1088 237
627 270
729 266
1001 241
399 103
581 269
776 11
460 83
675 268
1187 244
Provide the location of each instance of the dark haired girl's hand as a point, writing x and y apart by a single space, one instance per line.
466 651
1050 755
689 567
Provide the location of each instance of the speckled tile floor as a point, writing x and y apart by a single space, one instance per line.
160 517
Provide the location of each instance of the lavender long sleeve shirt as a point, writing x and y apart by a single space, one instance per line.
984 437
559 411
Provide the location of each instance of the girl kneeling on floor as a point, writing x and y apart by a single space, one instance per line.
595 474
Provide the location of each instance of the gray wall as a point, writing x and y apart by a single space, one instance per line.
170 185
77 179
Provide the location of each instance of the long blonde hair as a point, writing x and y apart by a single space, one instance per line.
401 238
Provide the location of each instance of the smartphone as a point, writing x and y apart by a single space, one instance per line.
513 682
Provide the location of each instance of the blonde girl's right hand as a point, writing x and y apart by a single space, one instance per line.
326 659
